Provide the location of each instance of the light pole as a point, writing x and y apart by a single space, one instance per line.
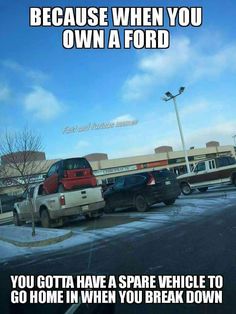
168 97
234 137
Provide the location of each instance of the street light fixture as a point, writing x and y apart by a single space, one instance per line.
168 94
181 90
168 97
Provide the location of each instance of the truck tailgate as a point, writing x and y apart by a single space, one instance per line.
83 197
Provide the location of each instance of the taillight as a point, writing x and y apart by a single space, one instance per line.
87 172
62 200
65 174
151 179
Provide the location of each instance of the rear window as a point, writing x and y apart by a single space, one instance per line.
119 182
225 161
132 180
164 174
76 163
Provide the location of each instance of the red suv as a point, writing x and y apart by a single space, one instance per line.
69 174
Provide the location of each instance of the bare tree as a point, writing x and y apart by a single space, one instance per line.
26 143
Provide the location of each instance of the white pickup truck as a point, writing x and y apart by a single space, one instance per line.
216 171
54 209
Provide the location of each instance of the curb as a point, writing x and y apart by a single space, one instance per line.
40 242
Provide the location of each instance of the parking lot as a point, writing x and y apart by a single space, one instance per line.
196 235
96 232
191 207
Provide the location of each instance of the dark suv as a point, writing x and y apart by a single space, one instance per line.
69 174
142 190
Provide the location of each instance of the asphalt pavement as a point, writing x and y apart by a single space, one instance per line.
22 236
202 243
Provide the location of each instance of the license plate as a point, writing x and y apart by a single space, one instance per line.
167 182
85 207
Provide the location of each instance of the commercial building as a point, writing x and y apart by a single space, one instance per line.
164 157
20 157
106 170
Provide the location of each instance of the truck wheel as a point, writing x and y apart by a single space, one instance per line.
45 219
185 189
203 189
141 204
16 219
169 202
61 188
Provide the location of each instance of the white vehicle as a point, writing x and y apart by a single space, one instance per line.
54 209
217 171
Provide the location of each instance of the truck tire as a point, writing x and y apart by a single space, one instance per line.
203 189
140 203
16 219
45 219
185 188
169 202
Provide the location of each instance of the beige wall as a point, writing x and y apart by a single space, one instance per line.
127 161
112 164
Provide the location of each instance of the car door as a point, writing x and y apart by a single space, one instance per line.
22 205
30 203
208 174
116 193
25 205
200 174
133 185
51 181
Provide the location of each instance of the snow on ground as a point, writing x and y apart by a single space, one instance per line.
158 217
9 251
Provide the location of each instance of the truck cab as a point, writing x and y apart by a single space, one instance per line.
205 166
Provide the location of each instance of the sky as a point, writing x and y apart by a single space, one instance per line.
48 88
